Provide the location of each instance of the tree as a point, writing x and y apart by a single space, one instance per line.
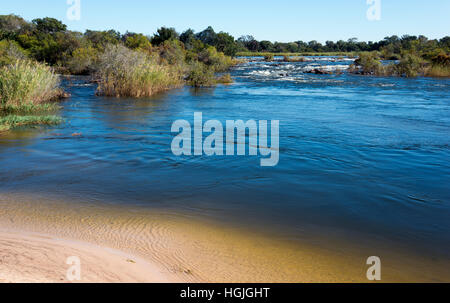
266 46
136 41
250 43
12 25
225 43
445 42
302 46
188 38
10 51
292 47
280 47
164 34
49 25
208 36
315 46
100 39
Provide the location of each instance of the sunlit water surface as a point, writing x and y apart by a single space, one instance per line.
360 157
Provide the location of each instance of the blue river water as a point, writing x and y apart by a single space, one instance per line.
357 153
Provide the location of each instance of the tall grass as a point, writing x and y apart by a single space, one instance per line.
11 121
438 71
25 82
26 87
28 109
127 73
268 57
293 59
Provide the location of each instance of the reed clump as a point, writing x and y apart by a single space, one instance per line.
123 72
440 65
438 71
27 82
293 59
26 91
268 57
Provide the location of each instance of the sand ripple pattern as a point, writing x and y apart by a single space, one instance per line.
184 249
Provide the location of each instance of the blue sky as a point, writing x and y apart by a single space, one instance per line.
281 20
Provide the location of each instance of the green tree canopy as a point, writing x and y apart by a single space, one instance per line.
164 34
49 25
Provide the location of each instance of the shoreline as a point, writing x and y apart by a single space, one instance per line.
174 248
39 258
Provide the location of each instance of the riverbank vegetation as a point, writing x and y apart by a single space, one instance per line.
136 65
27 89
32 54
389 46
125 72
408 64
410 56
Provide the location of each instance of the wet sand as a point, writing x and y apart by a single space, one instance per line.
117 244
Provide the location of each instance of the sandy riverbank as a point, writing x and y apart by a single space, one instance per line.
31 258
117 244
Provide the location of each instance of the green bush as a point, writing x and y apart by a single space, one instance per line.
225 79
410 65
10 51
200 75
441 59
214 59
101 39
82 61
369 64
172 52
138 41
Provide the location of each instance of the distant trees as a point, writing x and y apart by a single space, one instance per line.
10 51
266 46
12 25
164 34
100 39
188 38
391 46
136 41
49 40
208 36
222 41
225 43
49 25
250 43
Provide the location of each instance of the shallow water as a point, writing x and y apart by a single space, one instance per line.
361 158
